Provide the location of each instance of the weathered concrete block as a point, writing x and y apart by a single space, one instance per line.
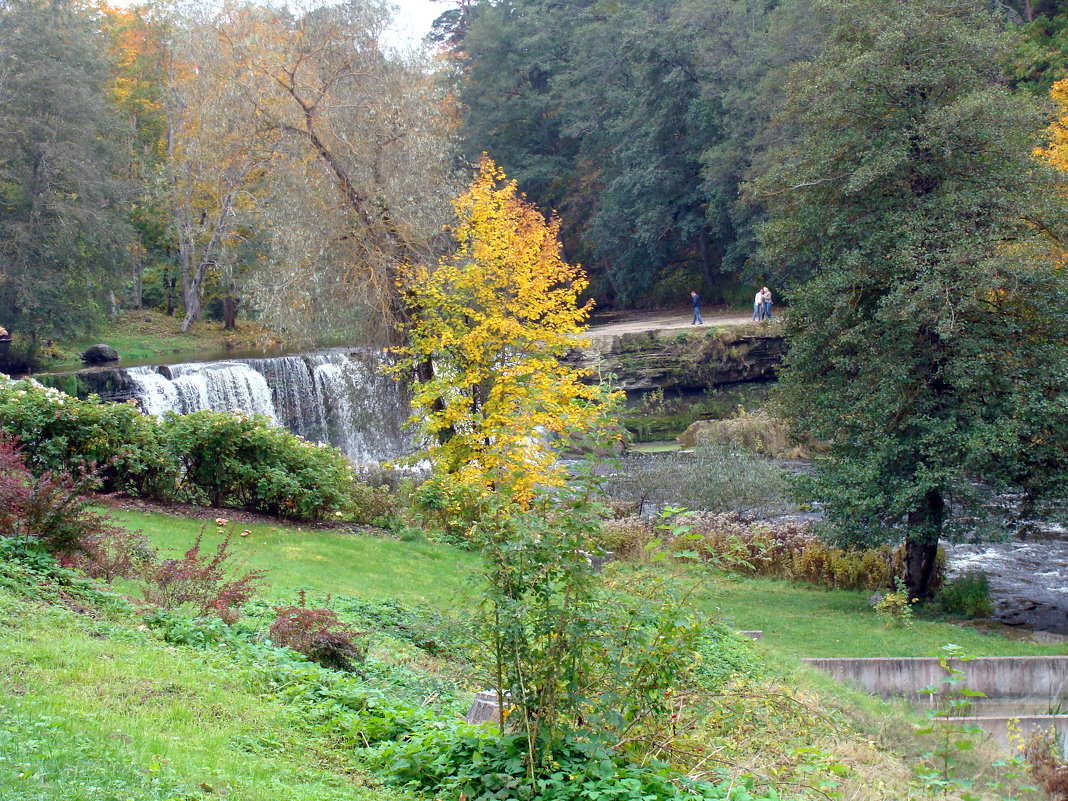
485 708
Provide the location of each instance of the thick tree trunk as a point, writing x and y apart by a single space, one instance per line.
921 548
230 311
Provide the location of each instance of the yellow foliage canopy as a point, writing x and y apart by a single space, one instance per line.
1056 152
494 320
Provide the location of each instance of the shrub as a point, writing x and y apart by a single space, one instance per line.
781 550
713 478
967 594
113 552
52 508
202 580
319 634
61 432
242 461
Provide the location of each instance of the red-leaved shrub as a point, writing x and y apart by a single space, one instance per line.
54 508
319 634
209 582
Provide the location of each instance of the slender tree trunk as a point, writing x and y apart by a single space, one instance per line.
1029 11
138 276
921 549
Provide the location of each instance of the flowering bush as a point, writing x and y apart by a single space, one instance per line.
60 432
242 461
205 457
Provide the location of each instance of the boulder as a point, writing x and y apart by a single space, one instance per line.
98 354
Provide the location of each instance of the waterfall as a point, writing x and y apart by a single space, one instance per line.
335 396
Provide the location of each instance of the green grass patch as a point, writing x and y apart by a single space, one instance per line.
145 335
796 620
99 712
802 621
326 561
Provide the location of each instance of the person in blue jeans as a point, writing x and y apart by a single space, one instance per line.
696 308
766 293
758 306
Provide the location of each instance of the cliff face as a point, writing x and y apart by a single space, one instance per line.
687 360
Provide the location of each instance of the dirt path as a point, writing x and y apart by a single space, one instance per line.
665 321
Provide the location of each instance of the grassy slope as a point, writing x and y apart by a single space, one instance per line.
796 620
93 712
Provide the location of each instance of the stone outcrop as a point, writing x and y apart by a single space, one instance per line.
113 385
99 354
685 360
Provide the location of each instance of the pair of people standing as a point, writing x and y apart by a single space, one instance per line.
762 304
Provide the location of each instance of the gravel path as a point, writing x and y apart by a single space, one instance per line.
665 321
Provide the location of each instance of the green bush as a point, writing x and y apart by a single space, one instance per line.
242 461
205 457
60 432
967 594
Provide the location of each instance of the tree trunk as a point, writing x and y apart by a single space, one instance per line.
921 548
230 311
138 276
1029 11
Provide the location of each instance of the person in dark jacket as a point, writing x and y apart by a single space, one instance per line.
696 308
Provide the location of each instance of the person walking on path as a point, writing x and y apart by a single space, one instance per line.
758 306
766 295
696 308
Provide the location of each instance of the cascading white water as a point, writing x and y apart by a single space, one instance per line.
337 396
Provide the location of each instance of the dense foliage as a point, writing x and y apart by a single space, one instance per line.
914 228
493 321
205 457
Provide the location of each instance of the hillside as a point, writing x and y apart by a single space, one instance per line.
104 699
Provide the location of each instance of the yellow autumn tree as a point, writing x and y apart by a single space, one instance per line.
494 319
1056 151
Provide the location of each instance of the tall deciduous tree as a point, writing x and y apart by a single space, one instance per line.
362 177
495 318
63 239
911 225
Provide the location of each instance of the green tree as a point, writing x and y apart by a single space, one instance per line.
63 152
910 225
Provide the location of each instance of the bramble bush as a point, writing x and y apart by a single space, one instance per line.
53 507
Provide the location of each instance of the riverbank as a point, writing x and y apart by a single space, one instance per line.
143 336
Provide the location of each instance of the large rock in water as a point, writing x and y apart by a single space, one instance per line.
99 354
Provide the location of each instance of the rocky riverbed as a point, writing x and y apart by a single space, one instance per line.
1028 576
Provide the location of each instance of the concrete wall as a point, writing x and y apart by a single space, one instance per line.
1030 678
1021 688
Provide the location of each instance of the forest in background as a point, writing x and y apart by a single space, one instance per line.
216 161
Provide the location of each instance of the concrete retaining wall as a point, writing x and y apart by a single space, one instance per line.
1021 688
1031 678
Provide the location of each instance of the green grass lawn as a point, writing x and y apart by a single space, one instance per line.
801 621
145 335
93 712
796 620
327 561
